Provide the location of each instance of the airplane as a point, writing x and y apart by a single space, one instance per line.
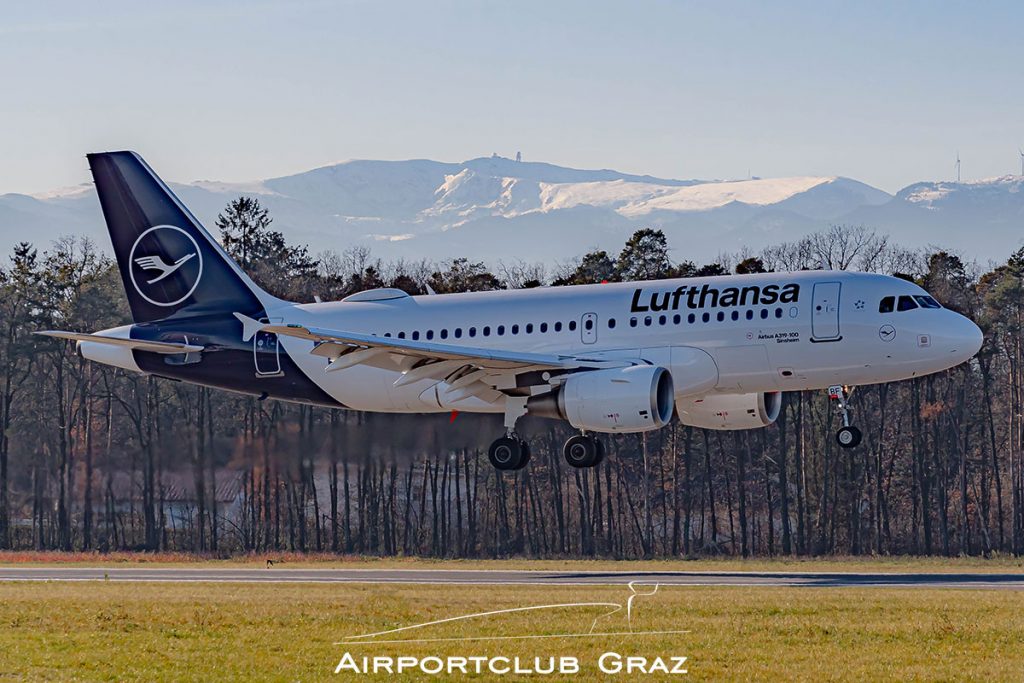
716 352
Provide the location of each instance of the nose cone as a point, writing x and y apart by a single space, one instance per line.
963 338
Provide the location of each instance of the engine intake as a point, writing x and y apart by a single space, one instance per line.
633 399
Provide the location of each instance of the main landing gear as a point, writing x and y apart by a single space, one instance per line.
513 453
848 436
583 450
510 452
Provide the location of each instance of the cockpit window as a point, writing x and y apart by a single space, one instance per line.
906 303
886 304
926 301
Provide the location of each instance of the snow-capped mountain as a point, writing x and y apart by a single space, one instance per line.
498 209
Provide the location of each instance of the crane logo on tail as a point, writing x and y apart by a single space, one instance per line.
165 265
156 263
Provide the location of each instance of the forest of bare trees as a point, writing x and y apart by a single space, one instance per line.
92 458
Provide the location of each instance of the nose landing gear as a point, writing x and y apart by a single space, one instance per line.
848 436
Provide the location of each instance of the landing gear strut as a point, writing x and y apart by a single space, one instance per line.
583 450
510 452
848 436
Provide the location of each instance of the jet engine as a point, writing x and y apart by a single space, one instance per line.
730 411
633 399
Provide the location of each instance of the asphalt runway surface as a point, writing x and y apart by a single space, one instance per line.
283 574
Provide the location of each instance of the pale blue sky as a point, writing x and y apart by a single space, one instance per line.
211 89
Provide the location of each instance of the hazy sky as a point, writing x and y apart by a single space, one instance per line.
211 89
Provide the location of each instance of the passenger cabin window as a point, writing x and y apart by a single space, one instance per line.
886 304
906 303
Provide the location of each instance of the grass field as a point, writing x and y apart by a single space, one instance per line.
130 631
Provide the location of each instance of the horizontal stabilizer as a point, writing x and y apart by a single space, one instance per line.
136 344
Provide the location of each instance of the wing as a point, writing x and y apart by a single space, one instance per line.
465 370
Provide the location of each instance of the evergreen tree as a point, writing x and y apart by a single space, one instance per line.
283 270
645 257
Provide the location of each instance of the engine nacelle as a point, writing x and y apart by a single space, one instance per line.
731 411
633 399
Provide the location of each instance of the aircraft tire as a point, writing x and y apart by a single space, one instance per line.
848 437
508 453
581 451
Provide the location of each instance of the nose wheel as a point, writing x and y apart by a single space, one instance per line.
848 436
583 450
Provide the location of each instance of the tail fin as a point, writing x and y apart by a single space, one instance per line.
169 264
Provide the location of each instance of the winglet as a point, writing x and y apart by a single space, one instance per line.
250 326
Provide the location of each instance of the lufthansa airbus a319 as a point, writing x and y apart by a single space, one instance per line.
626 357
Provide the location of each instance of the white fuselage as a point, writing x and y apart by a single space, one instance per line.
818 328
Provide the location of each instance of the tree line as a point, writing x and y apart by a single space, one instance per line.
94 458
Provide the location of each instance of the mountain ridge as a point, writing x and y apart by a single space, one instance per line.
495 208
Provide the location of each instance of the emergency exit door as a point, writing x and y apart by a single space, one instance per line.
588 328
825 312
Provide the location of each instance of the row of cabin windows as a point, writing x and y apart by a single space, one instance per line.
648 320
588 324
906 303
498 331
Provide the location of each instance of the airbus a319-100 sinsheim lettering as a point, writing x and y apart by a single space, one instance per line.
607 358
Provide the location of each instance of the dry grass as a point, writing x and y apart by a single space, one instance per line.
128 631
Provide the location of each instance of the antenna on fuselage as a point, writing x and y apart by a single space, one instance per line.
957 166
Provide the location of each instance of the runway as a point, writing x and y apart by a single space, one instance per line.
280 574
